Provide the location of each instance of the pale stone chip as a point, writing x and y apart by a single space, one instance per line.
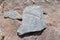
12 14
33 20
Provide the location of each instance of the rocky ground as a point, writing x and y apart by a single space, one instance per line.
8 27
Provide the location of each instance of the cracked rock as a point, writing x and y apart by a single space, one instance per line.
33 20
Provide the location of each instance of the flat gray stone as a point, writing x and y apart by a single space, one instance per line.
12 14
33 20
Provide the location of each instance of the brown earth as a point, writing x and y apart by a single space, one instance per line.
8 27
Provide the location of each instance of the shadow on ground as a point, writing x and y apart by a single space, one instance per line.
36 33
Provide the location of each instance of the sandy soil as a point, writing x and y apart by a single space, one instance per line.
8 27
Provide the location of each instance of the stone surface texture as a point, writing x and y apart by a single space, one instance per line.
12 14
32 20
52 18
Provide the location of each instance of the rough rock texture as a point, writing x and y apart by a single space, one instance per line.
12 14
52 18
32 20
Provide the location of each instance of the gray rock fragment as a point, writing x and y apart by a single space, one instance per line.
12 14
33 20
